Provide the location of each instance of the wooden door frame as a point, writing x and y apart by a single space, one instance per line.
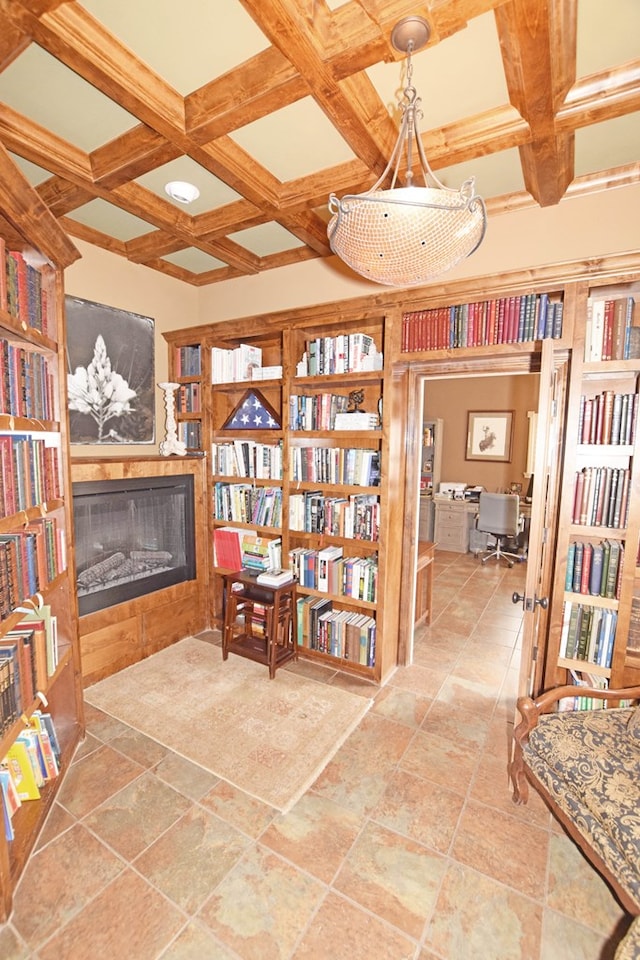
411 375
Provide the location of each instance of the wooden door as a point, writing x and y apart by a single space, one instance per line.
544 517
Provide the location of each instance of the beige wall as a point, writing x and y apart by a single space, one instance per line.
451 400
576 229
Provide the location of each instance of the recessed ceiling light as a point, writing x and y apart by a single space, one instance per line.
181 191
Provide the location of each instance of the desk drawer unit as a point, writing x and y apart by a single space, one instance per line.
452 526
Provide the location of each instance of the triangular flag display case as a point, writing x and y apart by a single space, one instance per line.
253 412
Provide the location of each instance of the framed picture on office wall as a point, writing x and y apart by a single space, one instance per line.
489 435
110 380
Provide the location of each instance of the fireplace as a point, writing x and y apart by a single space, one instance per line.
132 537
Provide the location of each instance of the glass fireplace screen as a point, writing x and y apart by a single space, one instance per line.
132 537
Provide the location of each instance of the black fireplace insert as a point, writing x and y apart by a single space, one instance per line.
132 537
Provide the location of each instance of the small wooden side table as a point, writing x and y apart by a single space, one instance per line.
259 621
424 581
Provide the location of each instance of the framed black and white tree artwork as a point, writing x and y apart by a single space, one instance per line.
110 378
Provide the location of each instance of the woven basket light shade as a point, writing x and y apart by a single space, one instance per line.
408 235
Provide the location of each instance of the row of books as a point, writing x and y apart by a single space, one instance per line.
27 290
351 465
356 517
27 384
240 363
345 353
316 411
608 329
588 633
190 433
30 558
584 702
188 398
601 497
244 503
188 360
595 568
608 418
247 458
341 633
29 473
236 548
328 571
32 761
28 656
506 320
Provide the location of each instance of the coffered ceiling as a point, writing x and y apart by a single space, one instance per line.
268 106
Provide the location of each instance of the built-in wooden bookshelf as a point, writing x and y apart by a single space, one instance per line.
313 479
599 515
38 611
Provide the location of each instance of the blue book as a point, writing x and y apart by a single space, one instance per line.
597 564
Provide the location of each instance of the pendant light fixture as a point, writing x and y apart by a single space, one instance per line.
407 235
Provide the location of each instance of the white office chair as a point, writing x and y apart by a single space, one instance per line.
499 516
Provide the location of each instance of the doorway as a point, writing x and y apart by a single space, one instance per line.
552 368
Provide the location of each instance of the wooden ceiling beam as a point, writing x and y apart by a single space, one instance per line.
135 153
601 96
367 128
308 227
528 41
265 83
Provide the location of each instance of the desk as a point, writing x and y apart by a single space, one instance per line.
259 621
424 581
454 519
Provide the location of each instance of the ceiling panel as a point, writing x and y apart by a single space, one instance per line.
236 97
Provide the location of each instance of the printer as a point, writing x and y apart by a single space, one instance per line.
473 494
451 491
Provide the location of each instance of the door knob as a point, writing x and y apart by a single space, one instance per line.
527 604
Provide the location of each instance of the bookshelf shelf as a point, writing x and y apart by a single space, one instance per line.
35 505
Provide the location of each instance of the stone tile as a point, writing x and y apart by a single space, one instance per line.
425 681
469 694
191 857
86 746
394 877
519 860
378 735
59 881
101 725
262 906
316 835
12 946
186 777
354 934
95 778
247 814
355 780
477 918
197 942
577 890
403 706
440 761
58 820
128 919
491 786
457 724
139 747
420 809
564 939
123 821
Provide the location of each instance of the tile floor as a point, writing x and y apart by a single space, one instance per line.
407 847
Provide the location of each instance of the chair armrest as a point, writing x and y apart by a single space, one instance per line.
530 710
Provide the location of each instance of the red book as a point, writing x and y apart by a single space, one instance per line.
585 575
577 499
